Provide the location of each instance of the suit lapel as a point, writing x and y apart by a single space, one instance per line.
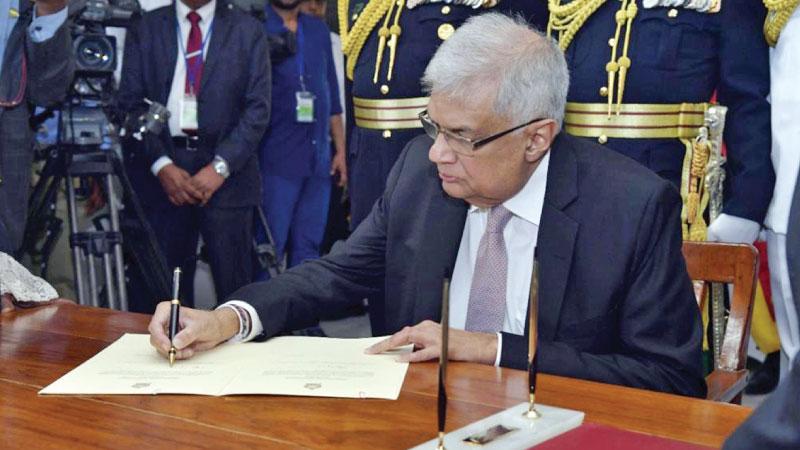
557 234
442 228
216 44
169 53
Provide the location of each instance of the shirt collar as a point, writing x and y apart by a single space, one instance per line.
206 11
527 204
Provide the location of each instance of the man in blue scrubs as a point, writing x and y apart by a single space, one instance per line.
296 161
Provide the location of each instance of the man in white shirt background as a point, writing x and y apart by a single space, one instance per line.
208 62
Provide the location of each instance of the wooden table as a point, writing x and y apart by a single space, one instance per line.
38 346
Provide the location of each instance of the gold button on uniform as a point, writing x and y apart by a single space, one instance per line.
445 31
603 91
355 16
672 13
602 139
384 89
611 42
446 9
387 134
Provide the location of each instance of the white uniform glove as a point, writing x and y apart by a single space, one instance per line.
734 230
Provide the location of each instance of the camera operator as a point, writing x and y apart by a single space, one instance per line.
209 63
36 51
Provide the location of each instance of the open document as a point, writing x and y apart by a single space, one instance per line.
291 365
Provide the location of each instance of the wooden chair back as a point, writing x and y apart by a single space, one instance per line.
735 264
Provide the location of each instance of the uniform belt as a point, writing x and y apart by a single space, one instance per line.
189 143
635 121
389 114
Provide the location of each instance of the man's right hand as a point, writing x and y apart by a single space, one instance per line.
199 330
176 184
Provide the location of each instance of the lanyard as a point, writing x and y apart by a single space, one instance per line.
191 72
300 57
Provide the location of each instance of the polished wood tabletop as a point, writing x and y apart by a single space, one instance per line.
39 345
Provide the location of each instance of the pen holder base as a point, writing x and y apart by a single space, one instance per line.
510 429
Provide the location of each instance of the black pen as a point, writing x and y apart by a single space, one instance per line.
533 334
443 357
174 313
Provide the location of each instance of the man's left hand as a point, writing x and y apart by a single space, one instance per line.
734 230
207 181
47 7
427 339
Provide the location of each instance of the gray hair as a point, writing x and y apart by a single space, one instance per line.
494 55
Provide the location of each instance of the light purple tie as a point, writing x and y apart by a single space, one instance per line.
487 296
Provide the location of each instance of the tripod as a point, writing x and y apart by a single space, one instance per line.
108 245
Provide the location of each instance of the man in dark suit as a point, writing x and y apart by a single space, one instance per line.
209 63
616 304
37 65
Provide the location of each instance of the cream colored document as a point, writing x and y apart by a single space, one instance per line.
291 365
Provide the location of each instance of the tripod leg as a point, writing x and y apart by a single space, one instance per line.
77 256
113 210
93 280
109 279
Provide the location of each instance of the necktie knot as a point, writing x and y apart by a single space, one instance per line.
193 17
498 219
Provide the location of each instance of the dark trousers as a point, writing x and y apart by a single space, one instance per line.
228 238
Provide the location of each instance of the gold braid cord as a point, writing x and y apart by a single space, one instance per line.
695 196
568 19
778 13
353 39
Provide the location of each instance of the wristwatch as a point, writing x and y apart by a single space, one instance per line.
221 167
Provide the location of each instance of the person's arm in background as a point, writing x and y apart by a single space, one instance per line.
743 88
49 53
339 162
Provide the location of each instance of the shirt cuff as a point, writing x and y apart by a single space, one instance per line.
160 164
256 327
43 28
499 349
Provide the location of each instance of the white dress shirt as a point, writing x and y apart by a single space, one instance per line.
785 102
178 87
520 236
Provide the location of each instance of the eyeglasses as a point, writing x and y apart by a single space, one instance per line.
460 144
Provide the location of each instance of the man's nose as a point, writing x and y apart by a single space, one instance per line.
440 152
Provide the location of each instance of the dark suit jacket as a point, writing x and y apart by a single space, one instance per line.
48 67
616 303
233 105
775 425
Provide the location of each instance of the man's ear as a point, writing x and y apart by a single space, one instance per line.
539 136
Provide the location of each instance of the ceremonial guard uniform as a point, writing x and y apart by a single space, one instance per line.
387 45
782 31
642 75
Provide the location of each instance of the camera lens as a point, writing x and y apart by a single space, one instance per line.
94 53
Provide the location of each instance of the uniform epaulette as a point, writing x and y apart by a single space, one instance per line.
778 13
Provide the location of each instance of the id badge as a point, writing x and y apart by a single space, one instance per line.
188 112
305 106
